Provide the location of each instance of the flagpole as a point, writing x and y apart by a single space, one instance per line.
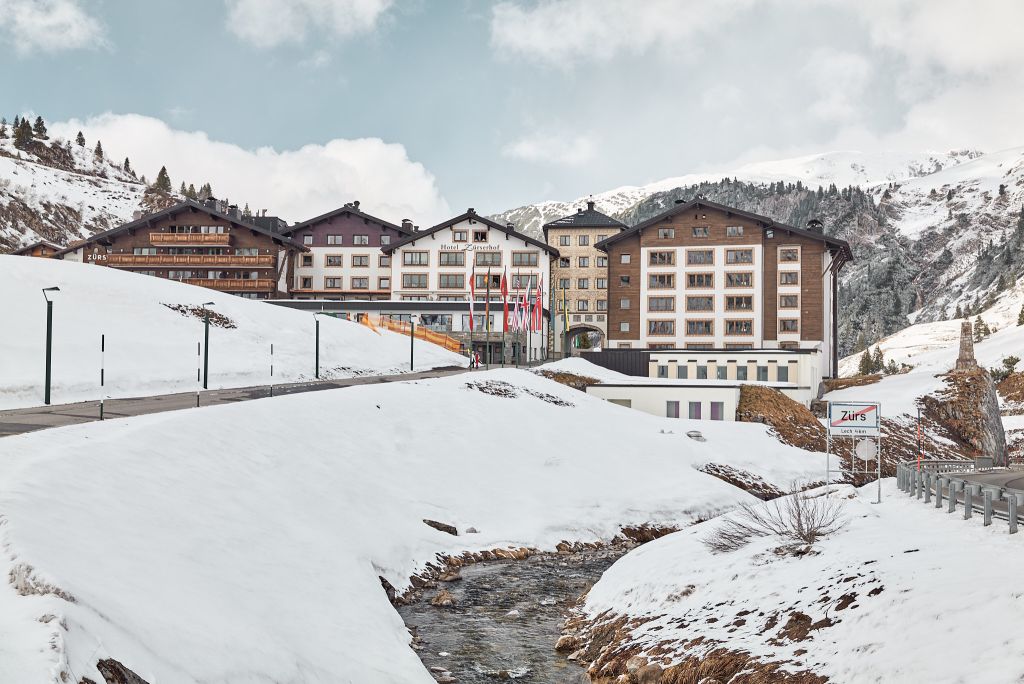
472 278
487 318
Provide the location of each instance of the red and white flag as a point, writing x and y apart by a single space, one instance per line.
504 301
472 296
538 306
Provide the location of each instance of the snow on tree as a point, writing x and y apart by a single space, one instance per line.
80 139
39 129
163 181
1020 316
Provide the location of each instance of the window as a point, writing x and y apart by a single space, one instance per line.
384 261
360 283
582 305
661 327
415 258
563 283
789 301
661 281
694 410
385 239
734 231
360 239
334 239
700 280
699 327
243 251
662 258
481 282
661 303
527 282
666 233
584 241
333 260
624 326
488 258
623 258
451 259
789 254
144 250
739 303
702 371
789 325
332 283
782 373
304 283
583 283
414 280
701 231
623 281
383 283
702 346
789 345
762 373
683 371
734 345
742 327
741 373
739 279
702 303
479 236
721 372
525 258
360 261
700 257
460 236
739 256
789 277
624 303
564 240
307 260
718 410
602 262
583 262
451 280
307 239
602 305
564 262
602 283
671 407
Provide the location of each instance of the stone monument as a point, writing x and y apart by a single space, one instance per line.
966 360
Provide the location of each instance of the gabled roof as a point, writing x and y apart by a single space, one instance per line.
470 214
585 218
836 244
185 205
37 243
347 208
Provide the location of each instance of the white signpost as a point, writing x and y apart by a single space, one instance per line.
861 421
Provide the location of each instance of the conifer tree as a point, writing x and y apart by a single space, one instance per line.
97 153
80 139
22 134
3 128
163 181
959 312
864 367
246 212
979 329
17 122
126 167
183 191
205 192
39 128
891 368
877 361
191 192
1020 316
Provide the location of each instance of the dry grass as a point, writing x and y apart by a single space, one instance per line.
579 382
833 384
1011 388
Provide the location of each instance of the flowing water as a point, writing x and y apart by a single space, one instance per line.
506 619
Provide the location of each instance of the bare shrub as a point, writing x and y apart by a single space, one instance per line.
799 519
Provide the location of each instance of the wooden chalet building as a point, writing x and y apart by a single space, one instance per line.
42 249
204 244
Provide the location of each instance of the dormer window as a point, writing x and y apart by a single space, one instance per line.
479 236
459 236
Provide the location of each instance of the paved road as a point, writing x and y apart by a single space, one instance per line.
18 421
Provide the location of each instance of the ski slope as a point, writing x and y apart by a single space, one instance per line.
152 349
243 543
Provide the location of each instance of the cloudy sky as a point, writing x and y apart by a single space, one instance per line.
424 107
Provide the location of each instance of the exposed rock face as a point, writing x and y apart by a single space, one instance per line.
115 673
966 361
969 409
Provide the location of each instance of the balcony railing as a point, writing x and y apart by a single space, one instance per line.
225 260
233 284
190 238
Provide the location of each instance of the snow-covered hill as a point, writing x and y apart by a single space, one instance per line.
61 192
244 543
151 348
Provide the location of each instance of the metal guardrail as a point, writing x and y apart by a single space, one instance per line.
946 479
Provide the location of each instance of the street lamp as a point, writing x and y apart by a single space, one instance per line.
49 339
206 344
317 355
412 342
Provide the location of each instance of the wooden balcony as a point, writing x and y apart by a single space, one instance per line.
179 239
213 260
234 284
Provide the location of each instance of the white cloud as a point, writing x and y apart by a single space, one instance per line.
562 32
294 184
267 23
49 26
839 80
552 149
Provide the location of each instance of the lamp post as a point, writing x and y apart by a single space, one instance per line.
49 340
412 342
316 353
206 344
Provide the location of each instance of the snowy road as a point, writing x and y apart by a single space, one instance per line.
19 421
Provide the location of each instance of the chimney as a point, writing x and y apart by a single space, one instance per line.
136 215
509 225
407 224
355 204
471 210
590 205
816 226
579 210
233 210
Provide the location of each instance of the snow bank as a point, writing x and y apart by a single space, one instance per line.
574 365
906 586
243 542
152 349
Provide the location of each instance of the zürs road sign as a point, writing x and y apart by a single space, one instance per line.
854 419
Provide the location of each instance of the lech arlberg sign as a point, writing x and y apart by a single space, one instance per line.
854 419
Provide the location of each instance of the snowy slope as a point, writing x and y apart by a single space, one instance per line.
41 201
844 168
243 543
919 605
151 349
